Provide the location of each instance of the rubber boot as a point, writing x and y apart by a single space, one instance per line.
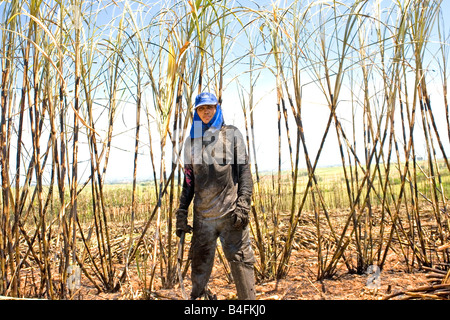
199 286
244 279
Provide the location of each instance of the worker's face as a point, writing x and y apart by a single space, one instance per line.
206 112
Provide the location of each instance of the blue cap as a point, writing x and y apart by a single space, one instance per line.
205 98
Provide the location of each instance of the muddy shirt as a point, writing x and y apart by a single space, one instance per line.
216 174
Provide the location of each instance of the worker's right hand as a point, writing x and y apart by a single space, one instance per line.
182 222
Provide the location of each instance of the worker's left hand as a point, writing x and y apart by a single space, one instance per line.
239 218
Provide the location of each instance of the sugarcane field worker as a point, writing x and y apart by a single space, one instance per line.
217 178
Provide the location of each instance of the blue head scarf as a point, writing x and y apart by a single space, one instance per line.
199 128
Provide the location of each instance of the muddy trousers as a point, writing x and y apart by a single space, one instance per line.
236 247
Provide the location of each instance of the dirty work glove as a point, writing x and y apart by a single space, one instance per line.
182 222
239 218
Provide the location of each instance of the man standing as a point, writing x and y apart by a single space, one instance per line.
217 178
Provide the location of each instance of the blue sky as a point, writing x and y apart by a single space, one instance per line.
315 112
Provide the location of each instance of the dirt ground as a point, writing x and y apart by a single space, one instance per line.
300 284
